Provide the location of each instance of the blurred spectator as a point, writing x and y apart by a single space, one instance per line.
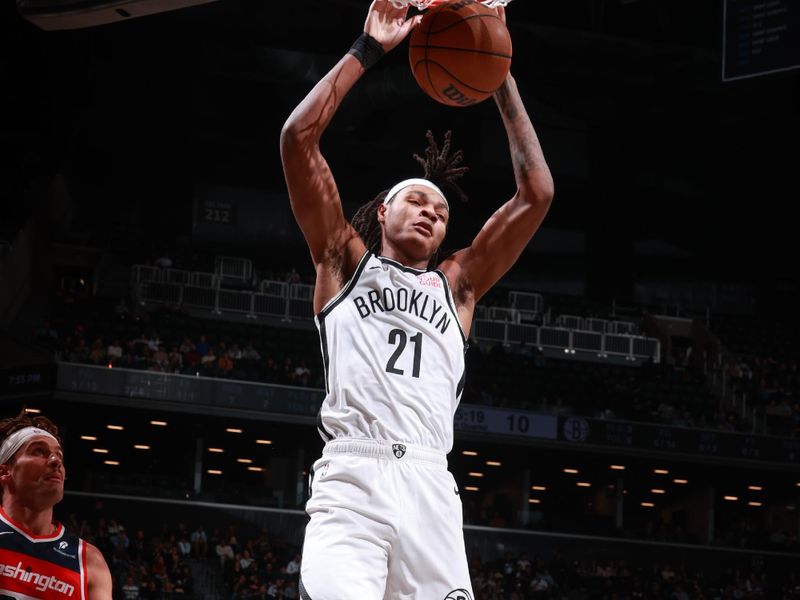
98 354
201 347
224 551
130 591
160 359
209 361
175 360
302 374
199 541
293 567
250 353
225 364
114 352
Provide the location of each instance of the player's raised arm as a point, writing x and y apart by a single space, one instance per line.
312 189
505 235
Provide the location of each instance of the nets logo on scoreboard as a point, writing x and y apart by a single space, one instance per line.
576 429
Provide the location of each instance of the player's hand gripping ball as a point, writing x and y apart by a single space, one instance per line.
460 53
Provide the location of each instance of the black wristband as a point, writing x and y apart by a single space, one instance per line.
367 50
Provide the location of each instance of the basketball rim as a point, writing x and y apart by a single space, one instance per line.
423 4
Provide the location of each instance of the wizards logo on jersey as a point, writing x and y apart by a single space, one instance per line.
24 574
412 302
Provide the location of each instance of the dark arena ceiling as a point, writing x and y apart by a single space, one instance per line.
644 138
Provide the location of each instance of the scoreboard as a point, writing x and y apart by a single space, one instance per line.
759 37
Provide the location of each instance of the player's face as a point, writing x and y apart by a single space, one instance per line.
36 476
416 220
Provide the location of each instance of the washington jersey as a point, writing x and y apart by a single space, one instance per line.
41 567
393 352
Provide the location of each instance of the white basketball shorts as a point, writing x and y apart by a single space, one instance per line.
386 524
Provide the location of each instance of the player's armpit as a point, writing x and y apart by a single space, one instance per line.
499 243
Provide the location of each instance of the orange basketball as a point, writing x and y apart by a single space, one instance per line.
460 53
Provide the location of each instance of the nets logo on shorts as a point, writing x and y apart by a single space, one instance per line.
399 450
459 594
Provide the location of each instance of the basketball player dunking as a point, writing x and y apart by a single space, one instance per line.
38 558
385 515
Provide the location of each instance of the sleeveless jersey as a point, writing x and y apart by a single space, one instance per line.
34 567
393 352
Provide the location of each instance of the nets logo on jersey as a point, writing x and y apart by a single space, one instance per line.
459 594
399 450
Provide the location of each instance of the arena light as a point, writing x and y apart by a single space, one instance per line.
469 453
755 488
534 501
113 463
115 427
539 488
657 491
245 461
730 498
214 472
216 450
494 463
100 450
256 469
35 411
647 504
583 484
475 474
680 481
141 447
617 467
753 503
264 442
159 423
233 430
661 471
89 438
571 471
472 488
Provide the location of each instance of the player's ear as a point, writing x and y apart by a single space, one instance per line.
5 474
382 213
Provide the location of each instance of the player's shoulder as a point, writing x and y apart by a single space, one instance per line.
93 555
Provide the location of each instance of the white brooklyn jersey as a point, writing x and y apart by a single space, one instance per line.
394 357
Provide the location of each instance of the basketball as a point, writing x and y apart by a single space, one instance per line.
460 53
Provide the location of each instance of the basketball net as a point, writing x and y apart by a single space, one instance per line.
423 4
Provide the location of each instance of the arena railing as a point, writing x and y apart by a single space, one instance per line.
233 267
506 325
527 301
604 345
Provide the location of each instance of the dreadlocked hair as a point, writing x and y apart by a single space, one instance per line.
439 168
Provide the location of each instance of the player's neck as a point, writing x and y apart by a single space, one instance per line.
397 255
38 521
